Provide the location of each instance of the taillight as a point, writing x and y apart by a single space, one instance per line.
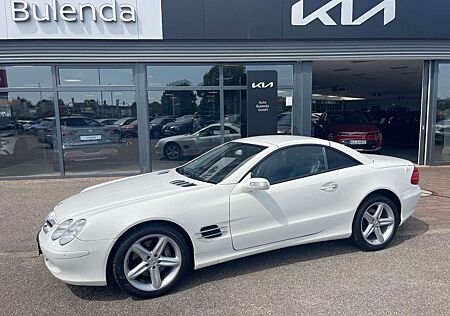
415 177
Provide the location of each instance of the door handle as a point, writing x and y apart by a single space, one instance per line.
329 187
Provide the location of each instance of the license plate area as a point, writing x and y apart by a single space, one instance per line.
90 137
357 142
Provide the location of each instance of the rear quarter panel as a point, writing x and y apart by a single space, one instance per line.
360 181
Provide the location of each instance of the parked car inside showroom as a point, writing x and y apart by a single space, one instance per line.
190 145
85 139
248 196
350 128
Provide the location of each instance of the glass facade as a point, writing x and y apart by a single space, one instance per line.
441 120
93 129
184 108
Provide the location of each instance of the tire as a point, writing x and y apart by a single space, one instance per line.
371 232
172 151
125 260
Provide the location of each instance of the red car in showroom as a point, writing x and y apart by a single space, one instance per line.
350 128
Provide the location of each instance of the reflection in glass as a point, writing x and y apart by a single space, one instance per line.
25 77
236 110
99 132
183 124
95 77
25 134
442 123
162 76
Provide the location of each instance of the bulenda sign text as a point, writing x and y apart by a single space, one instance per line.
23 11
78 19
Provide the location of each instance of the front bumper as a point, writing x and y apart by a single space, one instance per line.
77 263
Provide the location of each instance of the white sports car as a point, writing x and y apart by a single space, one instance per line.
244 197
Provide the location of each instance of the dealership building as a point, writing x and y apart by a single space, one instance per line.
115 87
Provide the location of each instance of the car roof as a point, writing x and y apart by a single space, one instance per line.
288 140
282 140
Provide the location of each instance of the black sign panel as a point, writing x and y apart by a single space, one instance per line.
305 19
262 95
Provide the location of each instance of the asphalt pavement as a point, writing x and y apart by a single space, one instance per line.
411 277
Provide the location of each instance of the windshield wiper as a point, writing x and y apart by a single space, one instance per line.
192 175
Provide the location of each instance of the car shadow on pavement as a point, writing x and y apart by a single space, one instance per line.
282 257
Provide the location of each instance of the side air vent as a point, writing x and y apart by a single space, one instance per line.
163 172
182 183
210 232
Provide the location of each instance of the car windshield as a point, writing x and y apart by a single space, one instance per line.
347 118
220 162
184 119
157 121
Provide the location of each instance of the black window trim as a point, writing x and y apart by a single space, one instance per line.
324 147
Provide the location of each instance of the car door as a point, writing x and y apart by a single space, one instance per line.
303 199
208 138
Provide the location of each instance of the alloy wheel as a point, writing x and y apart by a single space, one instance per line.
173 151
152 262
378 223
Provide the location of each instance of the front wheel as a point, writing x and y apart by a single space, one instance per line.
172 151
151 261
375 223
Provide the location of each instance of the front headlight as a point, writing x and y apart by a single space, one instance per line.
61 229
72 232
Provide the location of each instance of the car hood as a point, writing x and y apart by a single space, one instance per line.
354 128
113 194
175 138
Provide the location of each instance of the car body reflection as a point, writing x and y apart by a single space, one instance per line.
85 139
15 145
190 145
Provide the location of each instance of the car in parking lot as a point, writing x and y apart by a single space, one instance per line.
242 198
85 139
190 145
108 121
156 125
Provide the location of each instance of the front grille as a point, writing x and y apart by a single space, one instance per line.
182 183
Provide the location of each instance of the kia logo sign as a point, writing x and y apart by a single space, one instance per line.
298 13
262 85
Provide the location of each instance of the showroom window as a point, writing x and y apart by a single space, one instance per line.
441 152
98 118
26 116
184 108
235 95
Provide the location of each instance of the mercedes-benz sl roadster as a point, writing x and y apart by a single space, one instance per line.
242 198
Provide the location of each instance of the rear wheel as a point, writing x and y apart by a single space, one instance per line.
375 223
151 261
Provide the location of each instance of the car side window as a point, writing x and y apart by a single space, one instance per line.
337 160
291 163
212 131
92 123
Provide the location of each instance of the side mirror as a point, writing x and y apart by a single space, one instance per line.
256 184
